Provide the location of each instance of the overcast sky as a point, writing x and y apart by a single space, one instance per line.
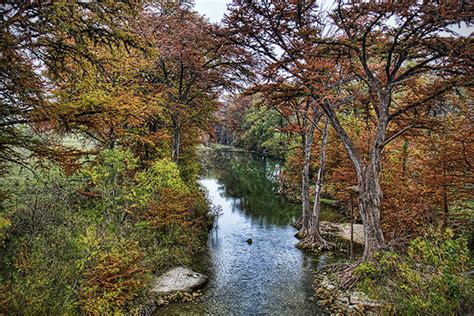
214 10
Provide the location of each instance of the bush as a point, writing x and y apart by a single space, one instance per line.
5 224
433 277
172 208
109 178
161 175
38 259
114 276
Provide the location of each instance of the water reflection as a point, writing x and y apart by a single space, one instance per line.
268 276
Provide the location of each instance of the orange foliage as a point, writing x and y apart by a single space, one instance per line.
171 208
115 278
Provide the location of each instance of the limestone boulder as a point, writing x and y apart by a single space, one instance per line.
179 279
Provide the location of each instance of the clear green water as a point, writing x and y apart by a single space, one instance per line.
269 276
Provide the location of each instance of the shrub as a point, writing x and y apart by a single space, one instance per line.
162 174
172 208
39 273
38 258
433 277
109 178
114 276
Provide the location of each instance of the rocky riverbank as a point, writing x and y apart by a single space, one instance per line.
339 302
179 284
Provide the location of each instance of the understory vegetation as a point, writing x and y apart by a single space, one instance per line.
94 239
434 275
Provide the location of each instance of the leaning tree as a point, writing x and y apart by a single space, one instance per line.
403 57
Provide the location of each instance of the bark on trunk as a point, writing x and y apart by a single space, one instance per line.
370 194
404 159
307 142
176 141
305 188
298 223
369 207
368 185
314 240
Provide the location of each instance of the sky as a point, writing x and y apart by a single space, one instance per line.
212 9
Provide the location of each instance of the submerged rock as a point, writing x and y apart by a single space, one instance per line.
178 279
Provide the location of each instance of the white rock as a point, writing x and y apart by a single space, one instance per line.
343 230
179 279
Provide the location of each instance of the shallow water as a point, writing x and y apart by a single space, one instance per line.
268 276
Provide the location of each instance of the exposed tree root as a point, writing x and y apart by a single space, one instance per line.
302 234
314 242
299 223
347 279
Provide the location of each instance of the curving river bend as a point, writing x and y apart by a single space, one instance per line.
267 276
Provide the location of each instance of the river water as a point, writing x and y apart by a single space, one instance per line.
268 276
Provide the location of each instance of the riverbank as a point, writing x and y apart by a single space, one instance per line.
92 241
336 301
249 275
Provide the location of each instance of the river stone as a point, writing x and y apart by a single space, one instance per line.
179 279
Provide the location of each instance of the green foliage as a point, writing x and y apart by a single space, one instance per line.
162 174
114 274
5 224
109 178
38 270
189 166
110 167
433 277
261 131
88 242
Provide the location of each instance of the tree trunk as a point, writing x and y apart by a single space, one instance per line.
368 185
370 193
351 250
111 138
369 207
307 142
304 221
404 158
314 239
176 141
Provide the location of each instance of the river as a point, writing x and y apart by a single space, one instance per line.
267 276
